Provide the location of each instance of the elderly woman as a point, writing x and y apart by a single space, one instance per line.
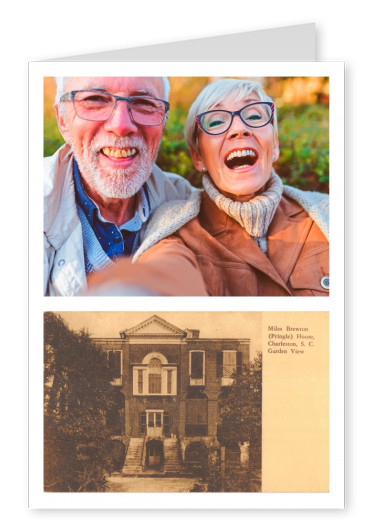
249 234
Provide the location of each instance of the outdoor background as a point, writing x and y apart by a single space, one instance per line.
303 127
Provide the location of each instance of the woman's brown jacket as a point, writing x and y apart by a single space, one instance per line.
231 263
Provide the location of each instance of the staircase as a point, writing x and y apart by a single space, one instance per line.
132 465
172 464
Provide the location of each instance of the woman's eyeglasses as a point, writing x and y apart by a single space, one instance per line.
254 115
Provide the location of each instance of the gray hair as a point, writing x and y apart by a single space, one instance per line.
216 92
60 84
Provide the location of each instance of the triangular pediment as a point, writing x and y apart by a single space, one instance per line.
153 327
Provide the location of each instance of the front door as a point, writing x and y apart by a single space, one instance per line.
154 454
154 423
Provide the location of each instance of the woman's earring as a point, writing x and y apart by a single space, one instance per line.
203 168
273 158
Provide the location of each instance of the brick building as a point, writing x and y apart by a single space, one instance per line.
167 384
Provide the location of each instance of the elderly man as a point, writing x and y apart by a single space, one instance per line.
102 186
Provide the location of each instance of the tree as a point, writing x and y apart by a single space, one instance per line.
77 393
240 419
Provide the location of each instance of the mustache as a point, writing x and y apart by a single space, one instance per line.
102 141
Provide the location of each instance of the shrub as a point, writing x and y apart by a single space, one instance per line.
304 146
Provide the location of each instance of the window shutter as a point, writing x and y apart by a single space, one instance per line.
117 363
135 381
219 364
239 361
166 423
110 362
143 422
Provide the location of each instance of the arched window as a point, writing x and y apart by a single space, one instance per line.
115 412
196 458
155 376
196 414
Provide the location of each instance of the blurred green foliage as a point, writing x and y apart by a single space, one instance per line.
303 141
173 154
304 146
52 137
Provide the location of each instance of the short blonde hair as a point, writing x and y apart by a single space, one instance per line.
216 92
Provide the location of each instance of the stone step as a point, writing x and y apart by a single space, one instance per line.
132 465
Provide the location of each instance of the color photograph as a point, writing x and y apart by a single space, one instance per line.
186 186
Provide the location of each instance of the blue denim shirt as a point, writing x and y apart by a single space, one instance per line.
115 241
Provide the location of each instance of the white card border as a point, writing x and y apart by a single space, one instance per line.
334 304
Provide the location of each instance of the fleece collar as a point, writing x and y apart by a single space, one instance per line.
171 216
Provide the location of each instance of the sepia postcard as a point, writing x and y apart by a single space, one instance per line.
231 402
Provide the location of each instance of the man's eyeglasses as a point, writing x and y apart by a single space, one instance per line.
253 115
98 106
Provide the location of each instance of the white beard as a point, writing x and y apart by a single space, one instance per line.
115 183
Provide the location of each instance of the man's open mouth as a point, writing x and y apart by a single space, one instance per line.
116 153
241 158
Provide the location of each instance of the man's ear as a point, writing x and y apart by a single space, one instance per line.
62 125
197 160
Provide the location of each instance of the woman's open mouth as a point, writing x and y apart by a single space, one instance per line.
241 158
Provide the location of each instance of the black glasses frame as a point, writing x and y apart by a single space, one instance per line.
72 94
236 113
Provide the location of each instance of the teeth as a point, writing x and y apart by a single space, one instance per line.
119 153
241 153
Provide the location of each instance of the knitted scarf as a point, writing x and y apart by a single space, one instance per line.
255 215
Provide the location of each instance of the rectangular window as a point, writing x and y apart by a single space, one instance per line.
155 383
140 382
169 382
197 364
114 363
229 362
197 367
